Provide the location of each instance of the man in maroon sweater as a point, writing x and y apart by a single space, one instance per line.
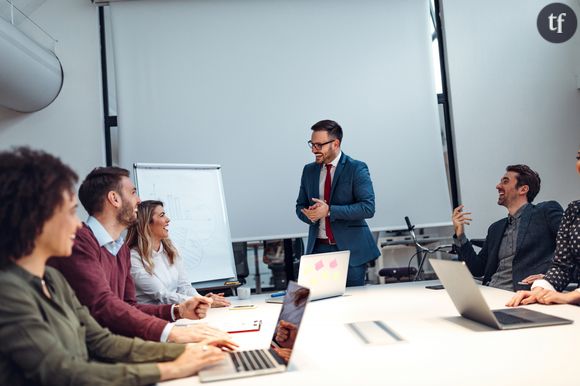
99 268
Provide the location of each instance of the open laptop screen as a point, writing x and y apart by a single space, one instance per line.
289 320
324 273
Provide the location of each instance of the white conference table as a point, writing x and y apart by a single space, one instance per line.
440 347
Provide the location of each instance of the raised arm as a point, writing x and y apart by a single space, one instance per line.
476 262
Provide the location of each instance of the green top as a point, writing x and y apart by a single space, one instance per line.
57 342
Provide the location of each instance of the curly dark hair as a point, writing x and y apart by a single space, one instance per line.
526 176
32 183
99 182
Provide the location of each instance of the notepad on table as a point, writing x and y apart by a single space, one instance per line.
230 326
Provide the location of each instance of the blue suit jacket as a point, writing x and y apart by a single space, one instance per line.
535 244
352 200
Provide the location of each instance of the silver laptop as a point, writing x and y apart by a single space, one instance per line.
324 273
470 303
275 359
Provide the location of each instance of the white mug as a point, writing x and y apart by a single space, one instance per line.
244 293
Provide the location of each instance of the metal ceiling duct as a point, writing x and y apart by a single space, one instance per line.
30 76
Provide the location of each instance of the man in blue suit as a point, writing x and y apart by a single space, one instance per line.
336 196
518 245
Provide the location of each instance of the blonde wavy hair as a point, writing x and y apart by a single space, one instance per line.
139 236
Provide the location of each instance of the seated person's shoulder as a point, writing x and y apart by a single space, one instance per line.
574 207
84 239
136 261
7 278
59 281
85 233
55 275
549 205
13 282
85 247
498 223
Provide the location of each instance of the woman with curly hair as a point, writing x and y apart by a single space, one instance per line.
48 337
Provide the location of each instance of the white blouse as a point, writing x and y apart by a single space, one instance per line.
167 284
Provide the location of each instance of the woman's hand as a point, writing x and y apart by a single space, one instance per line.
223 344
193 359
196 333
532 278
555 297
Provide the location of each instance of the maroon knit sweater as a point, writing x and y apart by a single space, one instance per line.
103 283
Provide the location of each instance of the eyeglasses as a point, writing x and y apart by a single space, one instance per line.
578 158
318 146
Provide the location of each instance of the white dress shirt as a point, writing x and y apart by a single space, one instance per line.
321 222
168 283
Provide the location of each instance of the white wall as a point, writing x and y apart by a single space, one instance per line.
240 83
71 127
514 99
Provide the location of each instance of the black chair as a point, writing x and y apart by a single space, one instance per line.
293 258
274 258
407 273
241 259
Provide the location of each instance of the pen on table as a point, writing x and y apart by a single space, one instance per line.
243 307
278 294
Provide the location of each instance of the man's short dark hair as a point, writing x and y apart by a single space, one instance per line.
526 176
98 184
32 184
334 130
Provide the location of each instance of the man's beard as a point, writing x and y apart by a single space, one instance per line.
126 216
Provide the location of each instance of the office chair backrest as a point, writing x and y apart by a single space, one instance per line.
241 259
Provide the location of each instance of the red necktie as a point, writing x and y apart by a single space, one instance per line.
327 187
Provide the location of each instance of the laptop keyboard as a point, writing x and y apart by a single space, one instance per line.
251 360
506 318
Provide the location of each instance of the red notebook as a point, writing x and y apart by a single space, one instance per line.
235 328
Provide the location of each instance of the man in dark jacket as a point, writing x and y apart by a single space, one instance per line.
519 245
336 197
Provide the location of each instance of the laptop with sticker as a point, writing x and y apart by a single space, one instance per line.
323 273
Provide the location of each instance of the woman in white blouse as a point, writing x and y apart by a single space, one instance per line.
156 267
